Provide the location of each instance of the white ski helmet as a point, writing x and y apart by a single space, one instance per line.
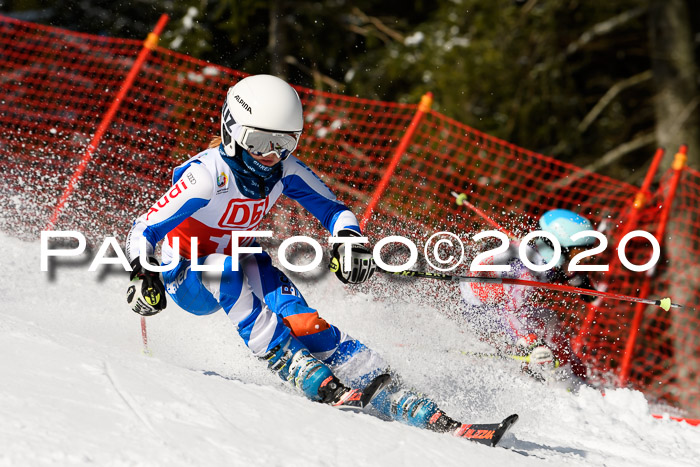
263 114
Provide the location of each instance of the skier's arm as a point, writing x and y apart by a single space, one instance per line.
192 189
190 192
302 185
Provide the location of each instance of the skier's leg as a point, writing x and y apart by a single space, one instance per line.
353 362
185 288
263 331
350 360
285 300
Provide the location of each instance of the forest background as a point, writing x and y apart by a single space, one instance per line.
596 83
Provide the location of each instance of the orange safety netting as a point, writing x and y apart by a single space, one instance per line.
56 86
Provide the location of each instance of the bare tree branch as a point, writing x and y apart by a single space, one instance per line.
684 116
604 27
640 141
605 160
599 29
610 95
525 9
622 150
367 31
317 75
379 25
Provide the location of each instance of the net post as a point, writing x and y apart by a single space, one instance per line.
424 106
639 202
625 365
148 45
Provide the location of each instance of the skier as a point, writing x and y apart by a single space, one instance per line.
564 224
229 188
510 318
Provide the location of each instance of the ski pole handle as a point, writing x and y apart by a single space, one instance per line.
461 200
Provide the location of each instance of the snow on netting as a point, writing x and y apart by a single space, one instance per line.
56 86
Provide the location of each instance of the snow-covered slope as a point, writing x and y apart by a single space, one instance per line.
75 388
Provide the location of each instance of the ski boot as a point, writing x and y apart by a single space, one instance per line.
415 409
293 362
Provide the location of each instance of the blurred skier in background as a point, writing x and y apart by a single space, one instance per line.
229 188
510 317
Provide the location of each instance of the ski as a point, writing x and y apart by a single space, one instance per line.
486 433
357 400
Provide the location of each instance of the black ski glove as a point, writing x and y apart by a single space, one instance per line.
362 262
146 293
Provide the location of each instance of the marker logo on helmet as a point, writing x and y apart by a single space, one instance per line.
243 103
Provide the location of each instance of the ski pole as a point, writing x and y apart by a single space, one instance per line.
461 200
502 356
664 303
144 337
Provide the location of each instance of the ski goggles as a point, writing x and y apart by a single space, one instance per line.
261 142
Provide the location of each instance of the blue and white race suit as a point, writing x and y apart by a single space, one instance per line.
212 197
